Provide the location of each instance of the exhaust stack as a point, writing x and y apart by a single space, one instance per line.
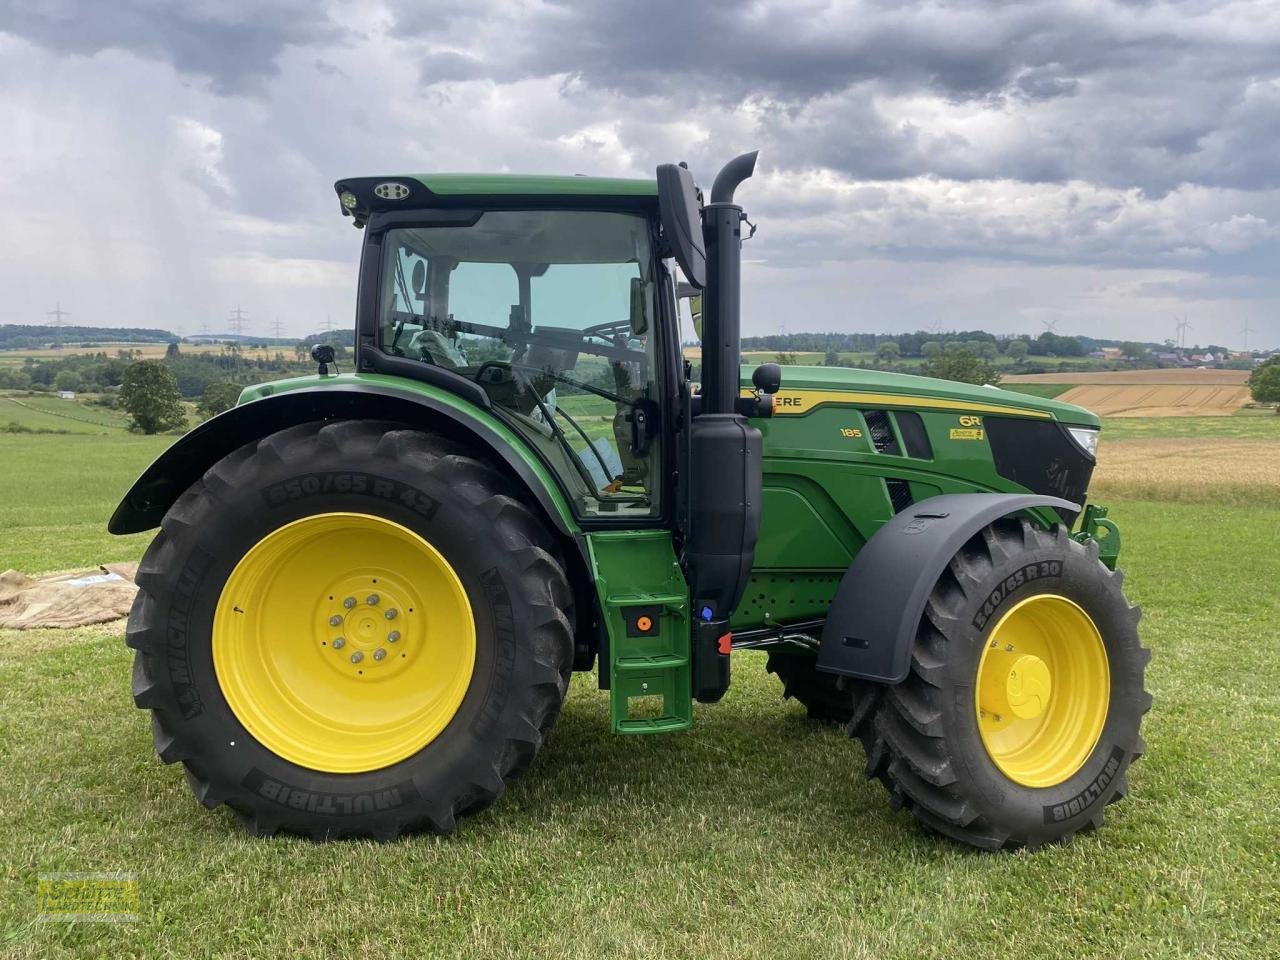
722 232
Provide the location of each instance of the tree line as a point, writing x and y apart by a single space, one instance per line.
916 344
32 336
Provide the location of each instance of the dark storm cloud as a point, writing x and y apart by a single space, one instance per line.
234 45
1148 95
1097 161
792 51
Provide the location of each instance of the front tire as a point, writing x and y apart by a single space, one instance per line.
294 705
1021 712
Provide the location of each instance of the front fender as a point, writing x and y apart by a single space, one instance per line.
871 625
185 462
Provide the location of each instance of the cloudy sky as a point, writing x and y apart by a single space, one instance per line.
1105 166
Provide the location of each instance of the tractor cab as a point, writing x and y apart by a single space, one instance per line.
553 313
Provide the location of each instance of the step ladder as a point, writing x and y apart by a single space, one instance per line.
646 610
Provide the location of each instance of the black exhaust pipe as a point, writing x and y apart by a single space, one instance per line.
722 479
721 313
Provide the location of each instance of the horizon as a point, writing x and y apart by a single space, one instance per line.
1009 167
273 340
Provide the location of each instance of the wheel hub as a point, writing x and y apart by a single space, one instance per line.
369 634
1025 691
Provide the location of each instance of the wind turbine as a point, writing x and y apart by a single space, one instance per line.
1050 326
1246 330
1183 326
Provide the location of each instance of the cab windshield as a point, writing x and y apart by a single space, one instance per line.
551 312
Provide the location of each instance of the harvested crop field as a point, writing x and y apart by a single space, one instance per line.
1116 377
1159 400
1149 393
1189 470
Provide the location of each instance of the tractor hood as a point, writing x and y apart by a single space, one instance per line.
806 385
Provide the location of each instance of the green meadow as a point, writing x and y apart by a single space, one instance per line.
752 835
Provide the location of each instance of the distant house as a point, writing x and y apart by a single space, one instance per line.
1169 357
66 394
1097 354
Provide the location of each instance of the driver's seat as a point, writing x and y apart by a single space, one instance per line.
435 347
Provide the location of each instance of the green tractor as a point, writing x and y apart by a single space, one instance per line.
370 587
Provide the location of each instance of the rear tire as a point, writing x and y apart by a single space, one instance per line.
827 698
925 743
507 563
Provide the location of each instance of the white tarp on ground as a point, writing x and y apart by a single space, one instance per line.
67 599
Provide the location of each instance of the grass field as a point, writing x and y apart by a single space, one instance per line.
1049 390
41 413
753 835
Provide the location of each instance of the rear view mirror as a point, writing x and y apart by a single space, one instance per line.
639 315
687 291
681 213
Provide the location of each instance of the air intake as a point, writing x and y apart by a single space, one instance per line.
881 432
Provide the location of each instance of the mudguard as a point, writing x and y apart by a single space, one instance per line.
871 624
185 462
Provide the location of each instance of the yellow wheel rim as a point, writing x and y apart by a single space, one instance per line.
344 642
1042 691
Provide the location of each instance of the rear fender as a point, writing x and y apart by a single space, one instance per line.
871 625
185 462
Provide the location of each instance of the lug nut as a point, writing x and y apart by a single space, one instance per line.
335 620
393 636
339 643
349 602
379 654
372 600
357 657
391 614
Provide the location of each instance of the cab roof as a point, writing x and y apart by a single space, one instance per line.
361 196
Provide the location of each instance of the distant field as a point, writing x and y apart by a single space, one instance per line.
1180 376
1212 460
148 351
1263 427
1159 400
867 358
50 414
1049 390
1145 393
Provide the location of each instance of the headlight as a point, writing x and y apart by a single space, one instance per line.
1086 438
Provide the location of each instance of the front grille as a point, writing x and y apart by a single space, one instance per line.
1040 456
